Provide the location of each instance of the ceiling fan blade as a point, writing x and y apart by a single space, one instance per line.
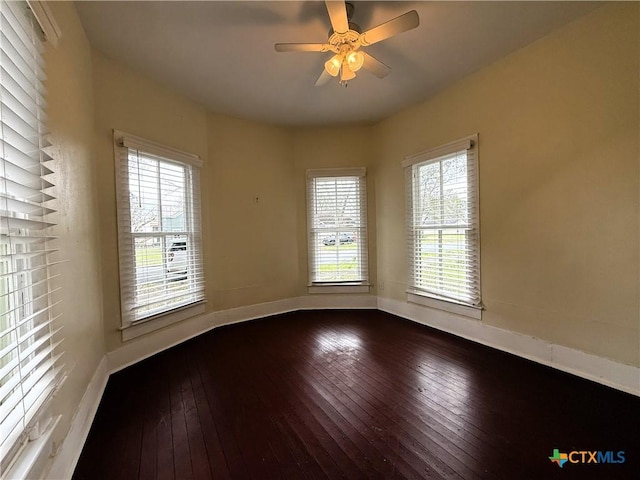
301 47
338 16
323 78
375 66
388 29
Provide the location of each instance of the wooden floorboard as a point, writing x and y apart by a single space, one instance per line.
354 395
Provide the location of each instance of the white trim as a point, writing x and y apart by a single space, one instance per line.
131 141
598 369
447 306
337 172
164 320
254 312
338 302
457 145
136 313
46 20
335 288
158 341
607 372
601 370
66 458
34 457
357 204
434 284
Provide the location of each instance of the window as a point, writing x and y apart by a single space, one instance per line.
337 223
442 221
30 369
158 195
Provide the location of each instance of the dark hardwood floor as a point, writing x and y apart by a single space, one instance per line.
353 394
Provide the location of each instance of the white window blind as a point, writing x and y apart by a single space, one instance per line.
442 222
337 224
159 237
30 352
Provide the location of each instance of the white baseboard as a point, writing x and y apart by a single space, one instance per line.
336 302
253 312
602 370
607 372
155 342
65 459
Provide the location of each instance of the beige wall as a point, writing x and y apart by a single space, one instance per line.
559 184
253 184
336 147
559 189
248 202
134 104
70 110
558 125
250 233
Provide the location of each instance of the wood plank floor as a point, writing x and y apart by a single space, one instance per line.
352 394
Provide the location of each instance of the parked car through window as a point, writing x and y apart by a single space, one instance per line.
177 258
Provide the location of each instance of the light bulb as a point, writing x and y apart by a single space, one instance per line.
332 66
347 74
355 60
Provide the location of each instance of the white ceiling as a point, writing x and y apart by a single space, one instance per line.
221 54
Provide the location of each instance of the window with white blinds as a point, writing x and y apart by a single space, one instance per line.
30 367
159 237
337 224
442 222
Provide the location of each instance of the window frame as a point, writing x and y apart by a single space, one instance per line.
135 325
30 352
362 284
471 305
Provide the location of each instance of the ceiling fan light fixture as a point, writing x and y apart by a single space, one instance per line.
345 40
332 66
355 60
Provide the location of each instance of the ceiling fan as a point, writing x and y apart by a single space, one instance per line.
345 40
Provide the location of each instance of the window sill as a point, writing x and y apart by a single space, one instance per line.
156 323
339 288
447 306
31 461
